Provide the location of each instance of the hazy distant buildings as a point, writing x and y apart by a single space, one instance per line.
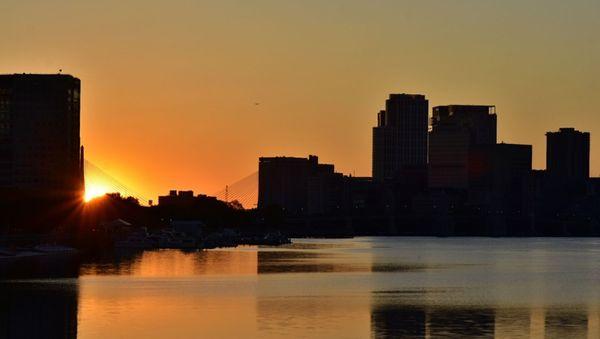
568 155
400 137
176 198
182 199
40 149
455 131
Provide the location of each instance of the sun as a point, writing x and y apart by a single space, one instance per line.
94 190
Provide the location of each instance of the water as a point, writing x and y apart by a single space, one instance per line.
343 288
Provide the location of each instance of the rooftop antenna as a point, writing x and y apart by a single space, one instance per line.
226 193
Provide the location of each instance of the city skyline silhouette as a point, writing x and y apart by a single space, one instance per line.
187 89
299 169
445 175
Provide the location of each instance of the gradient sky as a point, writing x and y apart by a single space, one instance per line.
168 87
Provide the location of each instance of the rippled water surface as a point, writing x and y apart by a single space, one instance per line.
345 288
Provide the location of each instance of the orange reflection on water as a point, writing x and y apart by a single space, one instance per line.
175 263
151 311
130 295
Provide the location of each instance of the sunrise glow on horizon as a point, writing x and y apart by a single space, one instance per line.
94 190
188 95
299 169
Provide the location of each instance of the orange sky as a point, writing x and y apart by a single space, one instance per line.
168 87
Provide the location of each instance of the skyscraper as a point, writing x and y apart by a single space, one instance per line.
40 150
299 185
568 155
455 131
400 137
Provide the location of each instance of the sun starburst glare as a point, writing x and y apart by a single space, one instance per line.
94 190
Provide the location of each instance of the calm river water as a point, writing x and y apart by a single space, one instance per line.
326 288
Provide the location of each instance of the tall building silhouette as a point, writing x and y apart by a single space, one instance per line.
500 182
400 137
568 155
298 185
40 150
455 131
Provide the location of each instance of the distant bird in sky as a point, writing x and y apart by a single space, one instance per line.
256 103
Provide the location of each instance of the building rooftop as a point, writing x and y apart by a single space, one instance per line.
284 158
407 96
480 109
567 130
36 75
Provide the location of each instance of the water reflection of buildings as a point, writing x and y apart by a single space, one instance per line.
393 321
393 318
397 320
301 262
312 316
313 258
172 263
240 261
30 310
570 324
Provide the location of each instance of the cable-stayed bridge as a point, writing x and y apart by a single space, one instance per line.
245 190
95 174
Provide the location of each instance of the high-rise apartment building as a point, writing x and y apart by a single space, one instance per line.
299 185
40 150
568 155
400 137
455 131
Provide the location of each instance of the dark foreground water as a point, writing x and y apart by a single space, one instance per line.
342 288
